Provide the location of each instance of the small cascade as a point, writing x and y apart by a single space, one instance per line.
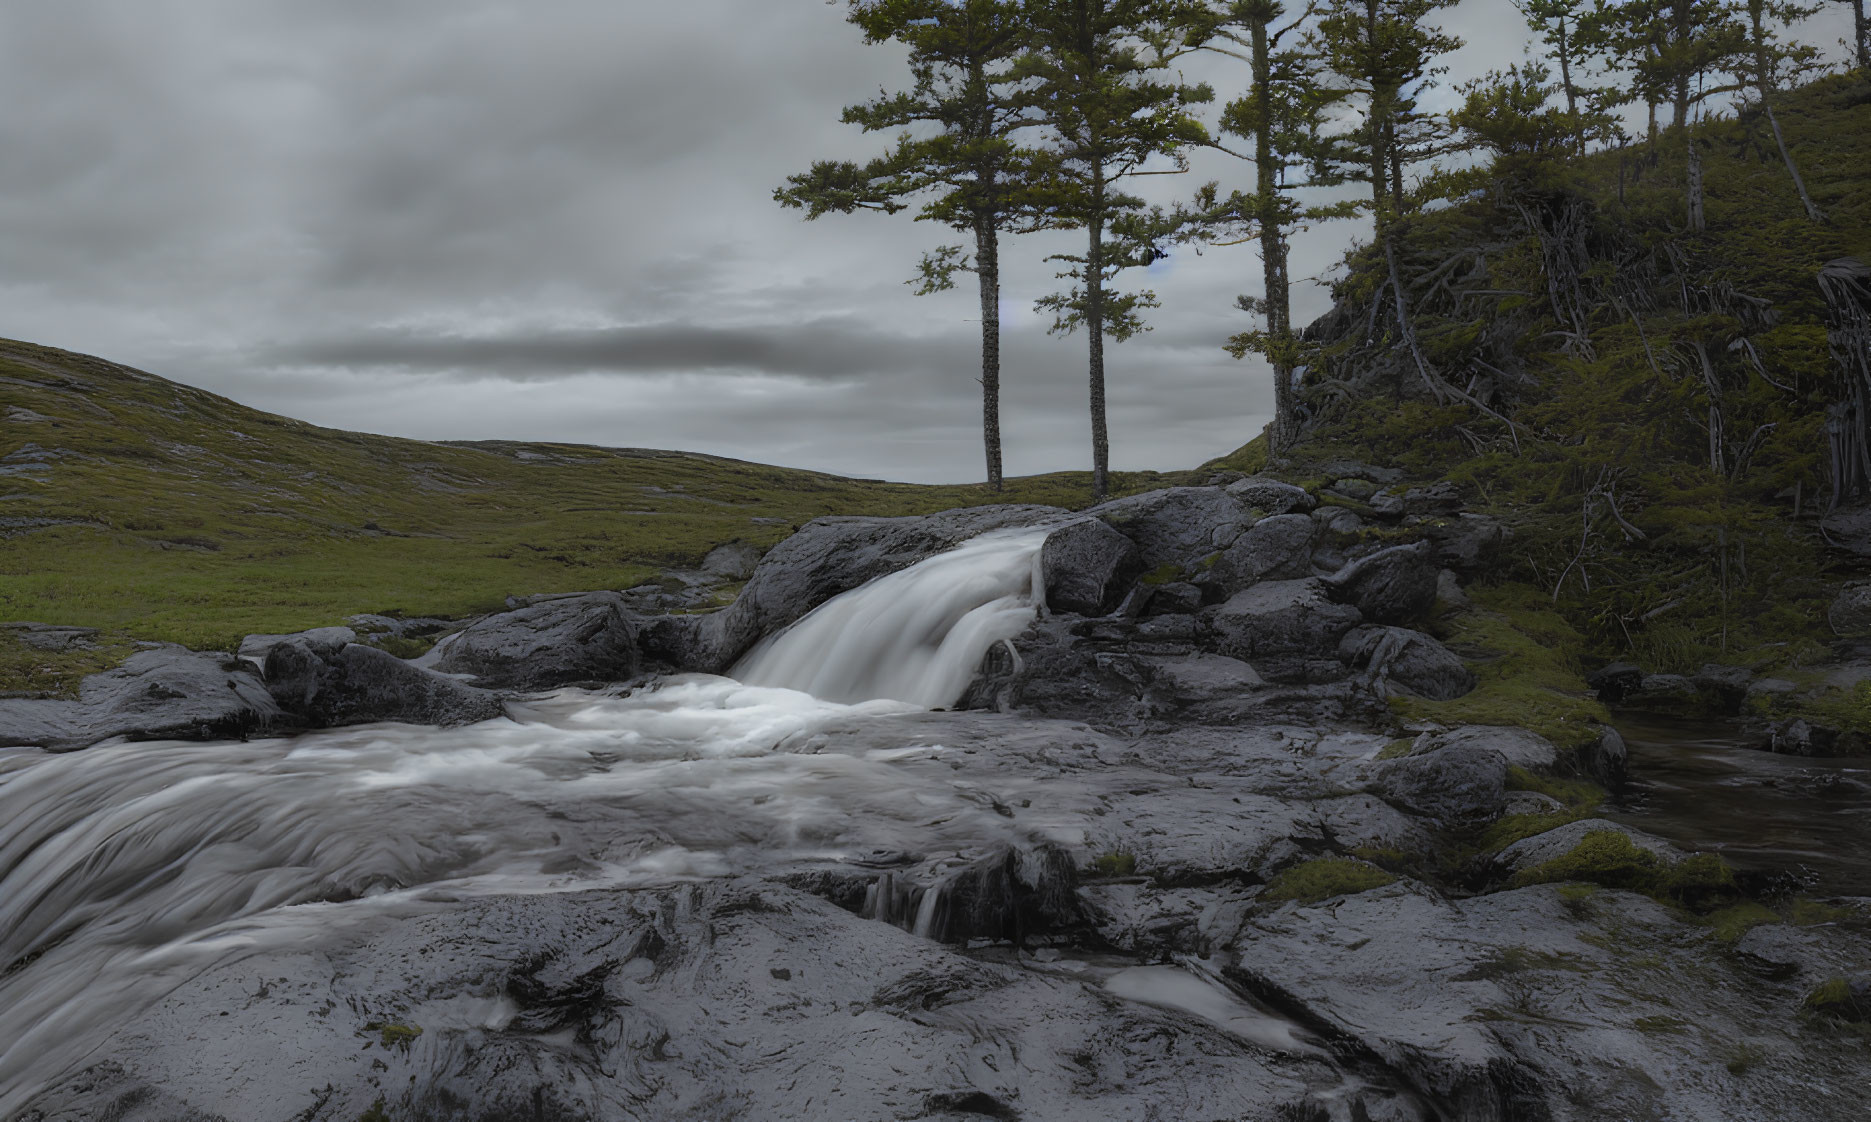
915 636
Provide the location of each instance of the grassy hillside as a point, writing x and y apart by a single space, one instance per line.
156 511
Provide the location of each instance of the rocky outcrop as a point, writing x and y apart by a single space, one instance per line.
1181 527
1458 784
1272 496
162 694
1088 567
1395 585
1287 622
1276 548
586 638
1410 659
356 684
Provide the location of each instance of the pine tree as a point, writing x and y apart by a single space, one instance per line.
1091 69
980 176
1861 34
1385 53
1283 115
1769 61
1557 23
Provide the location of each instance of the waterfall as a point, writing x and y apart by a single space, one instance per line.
915 636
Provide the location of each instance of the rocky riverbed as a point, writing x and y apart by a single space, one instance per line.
1165 856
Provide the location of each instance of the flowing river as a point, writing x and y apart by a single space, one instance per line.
127 868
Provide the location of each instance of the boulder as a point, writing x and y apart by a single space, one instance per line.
1537 850
1276 618
53 637
1466 543
1725 688
1407 658
1276 548
1357 490
1605 759
1201 677
323 641
1450 596
1180 526
358 684
1615 681
1088 567
1665 693
1458 785
1271 496
1354 469
1176 598
586 638
1850 613
1395 585
1799 737
1519 747
163 694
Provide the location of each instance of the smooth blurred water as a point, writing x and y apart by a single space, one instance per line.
125 869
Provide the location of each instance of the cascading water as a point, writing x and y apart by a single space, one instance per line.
126 869
915 636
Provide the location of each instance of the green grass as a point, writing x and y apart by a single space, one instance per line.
1609 858
1323 878
181 516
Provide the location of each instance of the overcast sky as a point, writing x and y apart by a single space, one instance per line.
552 220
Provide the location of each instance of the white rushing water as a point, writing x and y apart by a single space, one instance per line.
125 869
915 636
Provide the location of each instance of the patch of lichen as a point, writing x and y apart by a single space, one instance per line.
393 1035
1119 863
1323 878
1526 659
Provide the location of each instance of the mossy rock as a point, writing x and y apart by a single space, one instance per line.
1846 999
1323 878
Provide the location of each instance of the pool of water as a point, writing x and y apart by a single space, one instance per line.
1700 784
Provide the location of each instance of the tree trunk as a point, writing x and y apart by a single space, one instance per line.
1684 26
1861 24
987 268
1273 252
1696 221
1094 324
1651 135
1812 211
1565 81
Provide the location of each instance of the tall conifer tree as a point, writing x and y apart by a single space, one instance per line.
1092 69
980 176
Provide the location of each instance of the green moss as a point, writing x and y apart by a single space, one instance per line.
1118 864
1660 1024
376 1113
1575 794
1611 859
1396 749
1527 662
1507 830
1731 923
403 646
393 1035
1833 998
1804 911
1167 573
1324 878
28 670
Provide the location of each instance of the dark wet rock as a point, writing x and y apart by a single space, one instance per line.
1406 658
52 637
1724 688
1606 759
358 684
826 557
1280 617
1519 747
1056 668
1195 678
1800 737
702 1001
1271 496
1357 490
1180 526
1531 802
322 641
1088 567
1459 785
1767 689
585 638
1354 469
1537 850
1850 612
1351 822
1785 951
1395 585
1616 681
1177 598
1451 598
1276 548
412 627
162 694
735 560
1516 1005
1466 543
1665 693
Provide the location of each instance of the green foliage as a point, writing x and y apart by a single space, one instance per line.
1323 878
393 1035
1117 864
376 1113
